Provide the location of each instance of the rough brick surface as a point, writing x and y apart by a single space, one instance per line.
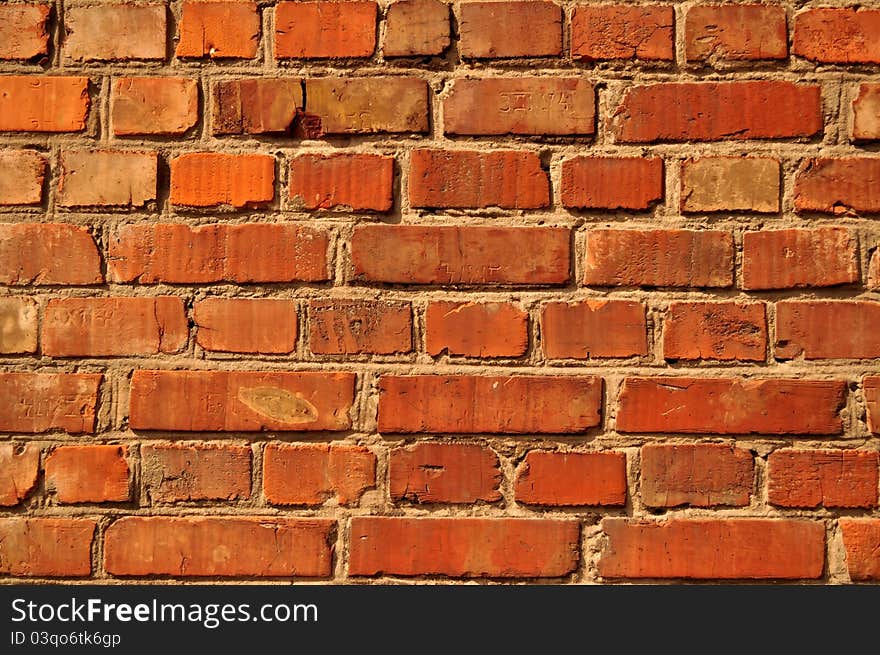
349 327
416 27
594 329
48 253
127 179
837 35
154 105
201 471
219 30
22 173
830 478
53 547
444 473
735 32
43 402
256 106
357 182
806 329
730 184
872 400
45 104
861 538
88 474
570 479
838 185
246 325
368 105
476 329
526 28
205 179
611 182
23 32
114 31
310 474
313 30
610 31
715 330
18 325
866 113
19 467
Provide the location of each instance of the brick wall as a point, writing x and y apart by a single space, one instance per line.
509 290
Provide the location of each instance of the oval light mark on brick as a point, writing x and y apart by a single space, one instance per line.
278 404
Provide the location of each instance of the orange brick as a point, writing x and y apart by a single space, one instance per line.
712 184
838 186
594 329
246 325
43 104
211 179
48 253
198 471
88 474
42 402
154 105
612 31
316 30
256 106
108 32
22 173
525 28
812 329
310 474
715 330
444 473
866 113
353 181
842 35
473 329
19 468
827 478
416 27
611 182
861 538
18 325
105 178
348 327
46 547
219 30
23 32
571 479
735 32
369 105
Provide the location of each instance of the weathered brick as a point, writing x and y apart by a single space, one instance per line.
476 329
256 105
46 547
861 538
715 330
19 468
416 27
338 326
571 479
310 474
105 178
735 32
444 473
88 474
844 35
356 181
319 30
48 253
18 325
838 186
21 177
43 104
872 401
712 184
246 325
611 182
866 113
219 30
44 402
198 471
525 28
23 32
827 329
611 31
107 32
594 328
211 179
368 105
154 105
830 478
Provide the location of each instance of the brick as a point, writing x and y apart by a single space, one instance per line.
718 111
872 401
571 479
413 254
43 104
838 186
489 30
463 547
730 406
48 253
199 471
476 329
46 547
866 113
444 473
104 178
256 106
240 401
212 546
23 32
522 105
18 325
219 30
490 404
114 32
735 33
659 258
353 181
511 179
322 30
369 105
416 27
787 259
827 478
154 105
19 467
861 538
212 179
310 474
611 31
348 327
698 475
812 329
246 325
712 184
715 330
844 35
611 182
88 474
713 549
22 173
242 253
591 329
43 402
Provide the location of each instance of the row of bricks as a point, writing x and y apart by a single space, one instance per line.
211 546
314 401
310 475
583 329
485 30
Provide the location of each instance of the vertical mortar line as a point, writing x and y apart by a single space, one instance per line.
104 110
258 457
678 34
674 169
57 33
771 331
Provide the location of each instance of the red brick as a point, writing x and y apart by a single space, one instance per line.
355 181
212 179
444 473
872 400
463 547
591 329
511 179
43 104
414 254
715 330
866 113
44 402
247 252
611 182
711 184
713 549
416 27
346 327
827 329
786 259
569 479
23 32
731 406
475 329
699 475
88 474
735 32
717 111
830 478
213 546
256 106
659 258
219 30
154 105
315 30
491 404
97 327
19 467
861 538
198 471
21 176
46 547
612 31
838 186
240 401
108 32
522 105
524 28
18 325
48 253
369 105
845 35
107 178
310 474
246 325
